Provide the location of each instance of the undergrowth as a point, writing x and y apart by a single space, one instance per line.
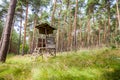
83 65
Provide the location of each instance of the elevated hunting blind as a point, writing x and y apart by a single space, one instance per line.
46 43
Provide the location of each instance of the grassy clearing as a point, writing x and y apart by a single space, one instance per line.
83 65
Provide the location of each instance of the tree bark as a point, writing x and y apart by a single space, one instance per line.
10 41
54 8
70 34
2 37
75 26
58 34
118 14
99 41
108 34
34 31
8 26
88 33
20 34
70 27
25 26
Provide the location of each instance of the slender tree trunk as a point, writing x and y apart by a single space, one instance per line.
8 26
92 37
63 35
92 40
108 34
53 12
69 45
75 26
70 35
99 37
34 31
25 26
105 31
88 33
20 35
118 13
116 33
61 42
57 41
58 34
80 41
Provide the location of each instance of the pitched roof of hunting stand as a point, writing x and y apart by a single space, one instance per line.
44 28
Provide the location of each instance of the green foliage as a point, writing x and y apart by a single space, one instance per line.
44 17
4 7
15 37
37 4
26 48
84 65
14 42
113 46
117 38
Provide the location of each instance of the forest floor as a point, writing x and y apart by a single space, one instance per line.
103 64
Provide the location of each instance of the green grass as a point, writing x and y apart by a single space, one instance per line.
83 65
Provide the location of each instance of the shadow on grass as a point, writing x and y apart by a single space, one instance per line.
69 77
66 77
2 78
112 75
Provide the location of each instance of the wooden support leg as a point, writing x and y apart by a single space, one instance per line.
55 52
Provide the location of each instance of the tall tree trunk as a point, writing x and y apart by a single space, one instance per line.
69 45
104 34
70 34
108 34
80 35
8 26
10 42
20 35
34 31
118 14
58 34
88 33
92 37
116 33
99 41
53 12
57 40
75 26
25 26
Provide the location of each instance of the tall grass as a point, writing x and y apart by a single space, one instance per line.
83 65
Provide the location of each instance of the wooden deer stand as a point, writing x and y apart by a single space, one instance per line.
46 44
